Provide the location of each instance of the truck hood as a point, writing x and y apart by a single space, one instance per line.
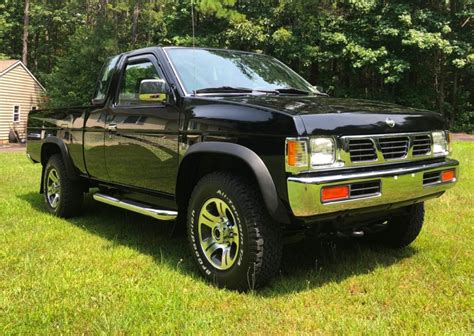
339 116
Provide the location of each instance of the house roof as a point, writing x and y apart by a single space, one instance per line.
7 65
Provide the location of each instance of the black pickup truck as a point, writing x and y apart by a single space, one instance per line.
241 151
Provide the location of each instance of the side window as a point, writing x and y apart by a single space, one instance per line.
104 78
130 86
16 113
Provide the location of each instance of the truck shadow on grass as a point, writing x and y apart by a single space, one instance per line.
308 264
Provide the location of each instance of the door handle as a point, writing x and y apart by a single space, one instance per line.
111 128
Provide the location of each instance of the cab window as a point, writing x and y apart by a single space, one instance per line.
104 78
130 86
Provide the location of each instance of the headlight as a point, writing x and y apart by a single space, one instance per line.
323 151
440 143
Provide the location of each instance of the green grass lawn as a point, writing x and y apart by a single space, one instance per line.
114 272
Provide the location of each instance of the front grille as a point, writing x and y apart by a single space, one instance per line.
394 147
362 150
364 189
421 145
385 148
431 178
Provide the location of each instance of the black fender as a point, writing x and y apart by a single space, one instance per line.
71 170
254 162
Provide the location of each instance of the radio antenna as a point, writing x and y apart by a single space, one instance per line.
192 19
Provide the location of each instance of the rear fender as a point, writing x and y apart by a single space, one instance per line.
53 145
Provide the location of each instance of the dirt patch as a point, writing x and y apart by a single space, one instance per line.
463 137
12 148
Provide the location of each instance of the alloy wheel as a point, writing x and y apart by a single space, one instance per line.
218 233
53 188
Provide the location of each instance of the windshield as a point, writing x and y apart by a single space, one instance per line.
200 69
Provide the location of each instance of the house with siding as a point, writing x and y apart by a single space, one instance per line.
20 92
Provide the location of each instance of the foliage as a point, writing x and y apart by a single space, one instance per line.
115 272
415 53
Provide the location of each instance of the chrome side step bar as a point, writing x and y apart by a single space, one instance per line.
164 215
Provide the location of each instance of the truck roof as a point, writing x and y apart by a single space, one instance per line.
150 49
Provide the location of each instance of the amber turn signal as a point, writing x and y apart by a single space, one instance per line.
292 152
448 175
297 153
334 193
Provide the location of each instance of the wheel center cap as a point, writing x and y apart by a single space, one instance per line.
217 233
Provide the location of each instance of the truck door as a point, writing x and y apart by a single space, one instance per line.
94 126
141 135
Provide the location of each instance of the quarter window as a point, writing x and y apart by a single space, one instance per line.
132 77
16 113
105 78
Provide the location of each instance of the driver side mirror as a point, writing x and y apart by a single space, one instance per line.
154 90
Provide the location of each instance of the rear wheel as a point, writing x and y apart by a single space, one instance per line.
62 195
234 241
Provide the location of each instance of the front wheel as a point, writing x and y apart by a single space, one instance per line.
234 241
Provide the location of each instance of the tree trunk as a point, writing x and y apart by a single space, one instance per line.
455 104
136 13
35 51
26 23
440 84
103 5
314 73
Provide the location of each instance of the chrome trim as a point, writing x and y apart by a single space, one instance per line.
164 215
293 169
345 153
397 185
343 158
309 167
366 175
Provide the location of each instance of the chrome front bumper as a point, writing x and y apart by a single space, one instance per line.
396 185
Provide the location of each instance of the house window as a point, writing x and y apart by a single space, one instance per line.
16 113
33 108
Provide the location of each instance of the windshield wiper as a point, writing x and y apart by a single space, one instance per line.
223 89
292 90
232 89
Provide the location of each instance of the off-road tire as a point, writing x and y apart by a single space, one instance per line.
403 230
261 240
71 192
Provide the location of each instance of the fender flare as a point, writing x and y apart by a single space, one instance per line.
255 163
70 168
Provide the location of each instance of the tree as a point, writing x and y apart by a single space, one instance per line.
26 25
413 52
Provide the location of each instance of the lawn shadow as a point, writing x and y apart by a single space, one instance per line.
308 264
313 263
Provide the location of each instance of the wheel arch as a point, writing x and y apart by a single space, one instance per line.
201 159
